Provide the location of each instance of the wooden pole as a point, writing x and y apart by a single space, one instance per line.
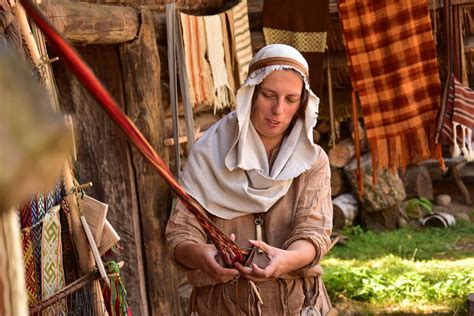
83 22
144 107
89 23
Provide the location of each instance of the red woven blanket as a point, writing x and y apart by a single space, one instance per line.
393 66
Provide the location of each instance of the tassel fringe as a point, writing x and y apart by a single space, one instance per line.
462 145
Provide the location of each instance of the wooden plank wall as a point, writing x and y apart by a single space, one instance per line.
104 158
120 45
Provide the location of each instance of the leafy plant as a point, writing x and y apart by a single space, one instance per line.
417 207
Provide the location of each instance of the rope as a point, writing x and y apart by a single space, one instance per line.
227 248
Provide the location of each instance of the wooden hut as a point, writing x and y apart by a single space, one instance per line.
124 41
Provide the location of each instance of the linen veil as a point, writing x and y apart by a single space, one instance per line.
227 171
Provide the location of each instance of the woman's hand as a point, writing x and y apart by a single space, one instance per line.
205 258
299 254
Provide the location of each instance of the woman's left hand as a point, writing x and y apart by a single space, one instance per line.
299 254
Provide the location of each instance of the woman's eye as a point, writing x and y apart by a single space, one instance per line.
292 100
268 95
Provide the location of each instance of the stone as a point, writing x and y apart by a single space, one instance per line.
443 199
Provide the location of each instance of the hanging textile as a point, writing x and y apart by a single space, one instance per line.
29 262
228 53
115 295
458 120
240 39
52 278
217 51
198 69
302 24
223 95
393 66
36 231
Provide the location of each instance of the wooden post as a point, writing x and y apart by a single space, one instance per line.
93 23
90 23
104 158
141 71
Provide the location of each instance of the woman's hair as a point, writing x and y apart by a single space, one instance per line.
303 99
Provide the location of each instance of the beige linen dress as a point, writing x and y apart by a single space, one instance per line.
305 212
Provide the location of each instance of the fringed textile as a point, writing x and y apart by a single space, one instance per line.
115 296
241 40
393 66
302 24
52 259
217 61
458 120
223 94
198 69
228 53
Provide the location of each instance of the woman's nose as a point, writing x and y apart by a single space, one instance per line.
277 108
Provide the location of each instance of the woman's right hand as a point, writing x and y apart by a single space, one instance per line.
204 257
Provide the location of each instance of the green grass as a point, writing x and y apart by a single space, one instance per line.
405 271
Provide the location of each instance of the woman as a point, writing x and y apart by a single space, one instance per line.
262 181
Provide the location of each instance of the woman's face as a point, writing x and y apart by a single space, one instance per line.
276 103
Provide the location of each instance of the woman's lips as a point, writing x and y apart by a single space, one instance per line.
272 123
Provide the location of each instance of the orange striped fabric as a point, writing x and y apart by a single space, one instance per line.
392 56
197 67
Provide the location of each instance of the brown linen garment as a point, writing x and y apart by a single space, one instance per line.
305 212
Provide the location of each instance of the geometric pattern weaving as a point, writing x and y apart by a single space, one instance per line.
51 258
303 41
29 262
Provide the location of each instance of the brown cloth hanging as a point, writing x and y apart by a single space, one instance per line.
393 66
302 24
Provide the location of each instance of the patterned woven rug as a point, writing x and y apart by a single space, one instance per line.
458 120
393 66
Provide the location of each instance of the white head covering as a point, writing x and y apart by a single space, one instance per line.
228 171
